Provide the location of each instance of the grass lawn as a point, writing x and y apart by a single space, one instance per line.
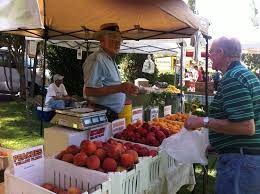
19 128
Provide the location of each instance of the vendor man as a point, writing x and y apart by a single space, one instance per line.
57 96
102 82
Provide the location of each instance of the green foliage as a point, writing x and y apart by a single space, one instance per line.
167 77
131 67
195 107
252 61
64 61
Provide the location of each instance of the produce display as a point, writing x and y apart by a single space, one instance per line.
172 126
105 157
145 133
141 150
177 117
172 89
54 189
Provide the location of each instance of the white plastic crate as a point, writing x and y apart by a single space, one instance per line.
152 170
59 173
126 182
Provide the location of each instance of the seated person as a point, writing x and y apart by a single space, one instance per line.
57 96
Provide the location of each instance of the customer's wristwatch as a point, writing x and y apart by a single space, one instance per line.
206 122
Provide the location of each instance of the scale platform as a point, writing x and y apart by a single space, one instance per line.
80 118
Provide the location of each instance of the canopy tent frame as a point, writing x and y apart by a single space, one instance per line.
47 30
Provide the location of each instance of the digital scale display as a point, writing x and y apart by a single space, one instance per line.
87 121
95 119
102 118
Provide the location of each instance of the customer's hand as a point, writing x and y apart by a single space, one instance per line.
193 123
129 88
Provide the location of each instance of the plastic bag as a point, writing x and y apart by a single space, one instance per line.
187 146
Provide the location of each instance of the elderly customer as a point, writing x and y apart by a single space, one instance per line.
102 81
234 121
57 96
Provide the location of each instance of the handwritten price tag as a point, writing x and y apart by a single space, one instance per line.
137 114
154 113
118 125
167 110
97 134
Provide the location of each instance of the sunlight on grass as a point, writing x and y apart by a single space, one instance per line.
19 128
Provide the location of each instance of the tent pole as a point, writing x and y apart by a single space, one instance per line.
207 76
181 72
44 69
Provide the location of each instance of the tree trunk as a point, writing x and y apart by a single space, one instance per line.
34 69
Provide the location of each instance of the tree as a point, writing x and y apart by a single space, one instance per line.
252 61
131 67
16 49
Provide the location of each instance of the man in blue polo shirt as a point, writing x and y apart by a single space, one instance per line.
234 121
102 82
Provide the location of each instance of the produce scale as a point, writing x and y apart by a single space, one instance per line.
80 118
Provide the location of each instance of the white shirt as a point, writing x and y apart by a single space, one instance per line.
54 90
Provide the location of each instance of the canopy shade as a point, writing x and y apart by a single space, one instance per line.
66 19
128 46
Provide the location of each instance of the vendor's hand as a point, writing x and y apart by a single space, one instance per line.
193 123
129 88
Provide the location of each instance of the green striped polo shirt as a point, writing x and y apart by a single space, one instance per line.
237 99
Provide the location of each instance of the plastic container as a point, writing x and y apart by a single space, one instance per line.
46 114
127 112
62 174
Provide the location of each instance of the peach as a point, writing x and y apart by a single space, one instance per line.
93 162
73 149
101 153
127 160
80 159
134 154
67 158
74 190
61 154
88 147
109 165
99 144
48 186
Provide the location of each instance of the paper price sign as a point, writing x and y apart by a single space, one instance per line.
167 110
25 160
79 53
118 126
97 134
137 114
154 113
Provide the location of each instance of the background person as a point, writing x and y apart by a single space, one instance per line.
102 81
216 79
234 121
57 96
